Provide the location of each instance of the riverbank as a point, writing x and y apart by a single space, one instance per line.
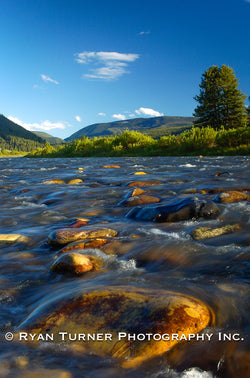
194 142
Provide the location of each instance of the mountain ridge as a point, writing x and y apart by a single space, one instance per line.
49 138
161 124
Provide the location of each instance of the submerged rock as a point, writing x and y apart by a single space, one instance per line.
84 244
139 200
120 312
13 238
78 223
67 235
136 192
144 183
180 210
75 263
208 232
111 166
75 181
232 196
55 181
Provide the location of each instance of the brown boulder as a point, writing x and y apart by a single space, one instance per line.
67 235
128 315
140 200
75 263
232 196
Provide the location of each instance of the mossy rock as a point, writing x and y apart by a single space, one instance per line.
208 232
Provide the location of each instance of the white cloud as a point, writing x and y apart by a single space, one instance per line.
112 64
132 115
45 125
78 118
48 79
119 116
144 32
149 112
102 114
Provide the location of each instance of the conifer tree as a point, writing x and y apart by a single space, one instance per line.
220 102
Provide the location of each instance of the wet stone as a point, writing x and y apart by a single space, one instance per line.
208 232
94 243
55 181
144 183
13 238
139 200
75 263
111 166
232 196
75 181
136 192
121 312
176 211
67 235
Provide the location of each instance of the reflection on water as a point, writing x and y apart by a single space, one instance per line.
145 254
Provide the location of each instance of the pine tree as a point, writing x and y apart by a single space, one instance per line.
221 103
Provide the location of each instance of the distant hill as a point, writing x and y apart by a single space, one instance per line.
49 138
15 137
156 127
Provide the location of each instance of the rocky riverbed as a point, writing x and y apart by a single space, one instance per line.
126 267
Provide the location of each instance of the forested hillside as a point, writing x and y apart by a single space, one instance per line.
15 137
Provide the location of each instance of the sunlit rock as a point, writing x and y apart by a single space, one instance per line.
131 317
78 223
55 181
94 243
136 192
232 196
139 200
208 232
75 181
140 173
12 238
111 166
75 263
144 183
67 235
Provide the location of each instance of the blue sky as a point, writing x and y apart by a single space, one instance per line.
68 64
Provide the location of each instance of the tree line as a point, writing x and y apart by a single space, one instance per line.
196 141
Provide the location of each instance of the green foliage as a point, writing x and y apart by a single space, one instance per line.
220 102
11 143
196 141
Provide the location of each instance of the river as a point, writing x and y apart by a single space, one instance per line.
148 255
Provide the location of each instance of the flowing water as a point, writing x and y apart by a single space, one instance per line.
147 255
